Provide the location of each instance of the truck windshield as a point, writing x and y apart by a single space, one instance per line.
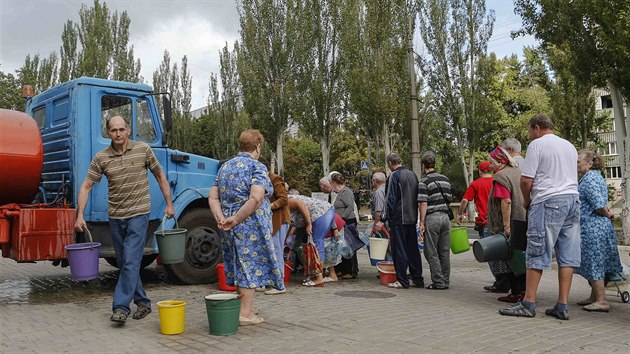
112 106
145 131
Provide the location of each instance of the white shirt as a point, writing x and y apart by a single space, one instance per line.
552 162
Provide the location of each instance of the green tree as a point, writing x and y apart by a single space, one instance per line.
268 65
95 36
10 92
373 48
68 69
455 33
319 104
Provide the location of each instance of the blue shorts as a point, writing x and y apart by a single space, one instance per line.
554 224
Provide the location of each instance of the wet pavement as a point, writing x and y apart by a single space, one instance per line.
42 310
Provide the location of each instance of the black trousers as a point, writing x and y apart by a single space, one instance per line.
405 253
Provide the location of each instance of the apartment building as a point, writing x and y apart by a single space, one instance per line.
612 173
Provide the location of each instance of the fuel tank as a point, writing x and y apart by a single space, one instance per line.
21 157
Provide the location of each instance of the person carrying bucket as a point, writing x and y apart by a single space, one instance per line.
125 164
401 215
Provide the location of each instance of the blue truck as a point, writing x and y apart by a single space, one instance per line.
71 118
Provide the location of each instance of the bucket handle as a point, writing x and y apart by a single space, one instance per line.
164 221
89 234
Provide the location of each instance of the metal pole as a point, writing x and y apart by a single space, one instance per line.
415 134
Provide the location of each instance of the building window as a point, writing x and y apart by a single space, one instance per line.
613 172
606 102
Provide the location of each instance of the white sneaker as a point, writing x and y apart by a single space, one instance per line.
275 292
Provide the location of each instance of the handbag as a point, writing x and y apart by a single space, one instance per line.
449 211
312 262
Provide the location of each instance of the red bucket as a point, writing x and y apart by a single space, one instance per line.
386 272
221 275
288 269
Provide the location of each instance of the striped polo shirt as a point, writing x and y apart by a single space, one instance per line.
127 178
429 192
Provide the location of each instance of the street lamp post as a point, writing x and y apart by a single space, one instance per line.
415 134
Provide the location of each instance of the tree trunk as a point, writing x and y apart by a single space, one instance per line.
623 149
279 156
388 146
324 145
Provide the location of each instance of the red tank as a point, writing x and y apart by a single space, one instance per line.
21 157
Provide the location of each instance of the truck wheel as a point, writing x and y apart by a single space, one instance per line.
146 260
203 249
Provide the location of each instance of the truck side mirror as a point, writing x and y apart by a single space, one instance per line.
168 115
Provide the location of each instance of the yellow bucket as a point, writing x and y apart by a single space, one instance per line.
172 316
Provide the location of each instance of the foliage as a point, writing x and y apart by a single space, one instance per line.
302 164
455 33
319 104
595 37
10 92
373 46
268 64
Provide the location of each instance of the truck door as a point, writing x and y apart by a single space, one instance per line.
139 113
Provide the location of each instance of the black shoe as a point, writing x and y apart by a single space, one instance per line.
416 285
495 289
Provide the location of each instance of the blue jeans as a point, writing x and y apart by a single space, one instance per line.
129 236
278 245
321 226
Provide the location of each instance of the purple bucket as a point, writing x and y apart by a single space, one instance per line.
83 259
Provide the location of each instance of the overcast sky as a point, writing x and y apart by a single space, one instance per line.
196 28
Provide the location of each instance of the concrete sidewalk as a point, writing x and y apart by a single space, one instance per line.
51 314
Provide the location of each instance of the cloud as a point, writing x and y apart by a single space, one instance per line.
190 35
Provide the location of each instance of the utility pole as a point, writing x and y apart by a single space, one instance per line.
415 134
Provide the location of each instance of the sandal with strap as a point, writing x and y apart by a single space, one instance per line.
311 283
141 312
246 321
518 310
118 316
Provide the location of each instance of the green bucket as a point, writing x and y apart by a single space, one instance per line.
459 240
492 248
517 262
171 243
223 312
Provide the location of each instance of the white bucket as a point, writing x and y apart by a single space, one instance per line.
378 248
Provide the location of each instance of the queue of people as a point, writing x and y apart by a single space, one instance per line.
553 200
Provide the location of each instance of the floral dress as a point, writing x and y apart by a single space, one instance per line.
248 253
599 248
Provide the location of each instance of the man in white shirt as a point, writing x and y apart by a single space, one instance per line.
550 191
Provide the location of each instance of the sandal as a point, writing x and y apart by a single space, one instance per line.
311 283
330 280
119 316
396 285
141 312
435 287
585 302
595 308
348 277
246 321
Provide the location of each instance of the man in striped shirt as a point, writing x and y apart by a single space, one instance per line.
125 165
434 196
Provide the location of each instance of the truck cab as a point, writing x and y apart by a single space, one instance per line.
71 118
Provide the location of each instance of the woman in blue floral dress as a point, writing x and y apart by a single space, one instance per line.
240 204
599 249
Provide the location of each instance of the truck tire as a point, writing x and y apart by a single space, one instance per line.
146 260
203 249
